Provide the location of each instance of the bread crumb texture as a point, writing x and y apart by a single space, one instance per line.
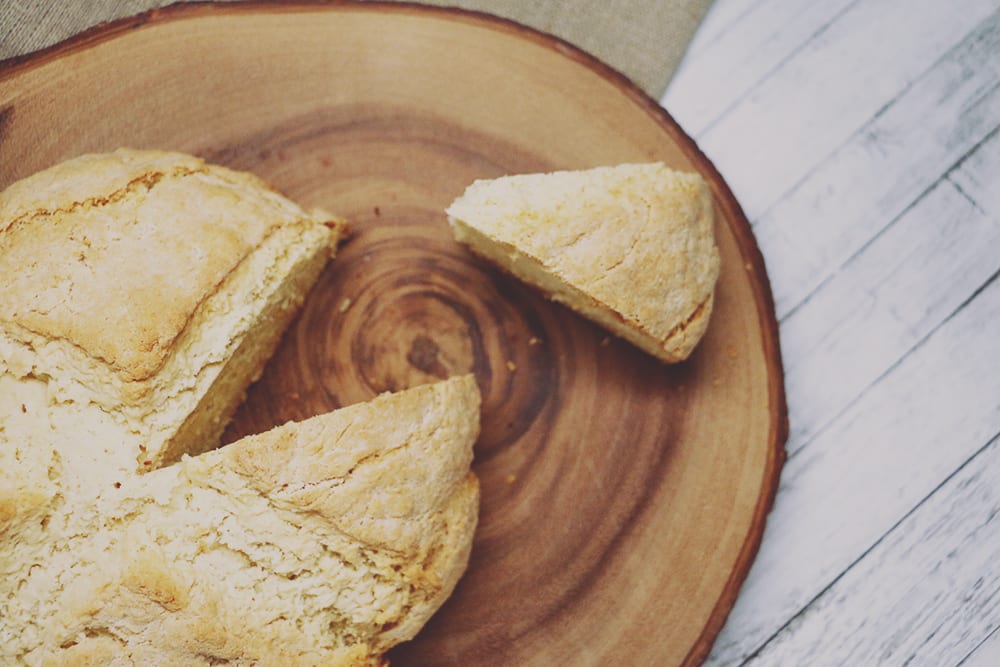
631 246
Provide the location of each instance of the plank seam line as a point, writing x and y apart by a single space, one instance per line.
990 442
948 53
945 176
775 68
975 648
958 187
918 344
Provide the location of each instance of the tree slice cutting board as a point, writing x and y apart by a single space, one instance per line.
622 500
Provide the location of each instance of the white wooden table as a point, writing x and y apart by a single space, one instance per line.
861 138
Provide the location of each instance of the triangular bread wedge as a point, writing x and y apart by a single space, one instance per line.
630 247
143 291
323 542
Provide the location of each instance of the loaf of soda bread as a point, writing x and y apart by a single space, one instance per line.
323 542
631 247
143 291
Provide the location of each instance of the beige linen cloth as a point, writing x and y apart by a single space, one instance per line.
642 39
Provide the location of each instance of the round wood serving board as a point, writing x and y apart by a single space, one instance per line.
622 500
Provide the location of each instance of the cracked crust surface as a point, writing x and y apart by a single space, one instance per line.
632 246
321 542
131 241
144 290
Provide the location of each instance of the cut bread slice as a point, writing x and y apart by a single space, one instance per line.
323 542
144 291
631 247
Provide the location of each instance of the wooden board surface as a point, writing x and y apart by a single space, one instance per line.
623 501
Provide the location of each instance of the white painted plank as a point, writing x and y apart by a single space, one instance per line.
895 292
899 438
711 82
873 464
720 17
986 654
926 594
833 86
883 168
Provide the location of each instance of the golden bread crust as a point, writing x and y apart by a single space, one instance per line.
630 246
258 552
146 290
130 242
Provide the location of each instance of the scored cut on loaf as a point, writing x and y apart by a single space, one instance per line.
323 542
630 246
143 292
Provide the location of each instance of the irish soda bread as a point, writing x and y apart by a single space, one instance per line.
323 542
631 247
143 291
